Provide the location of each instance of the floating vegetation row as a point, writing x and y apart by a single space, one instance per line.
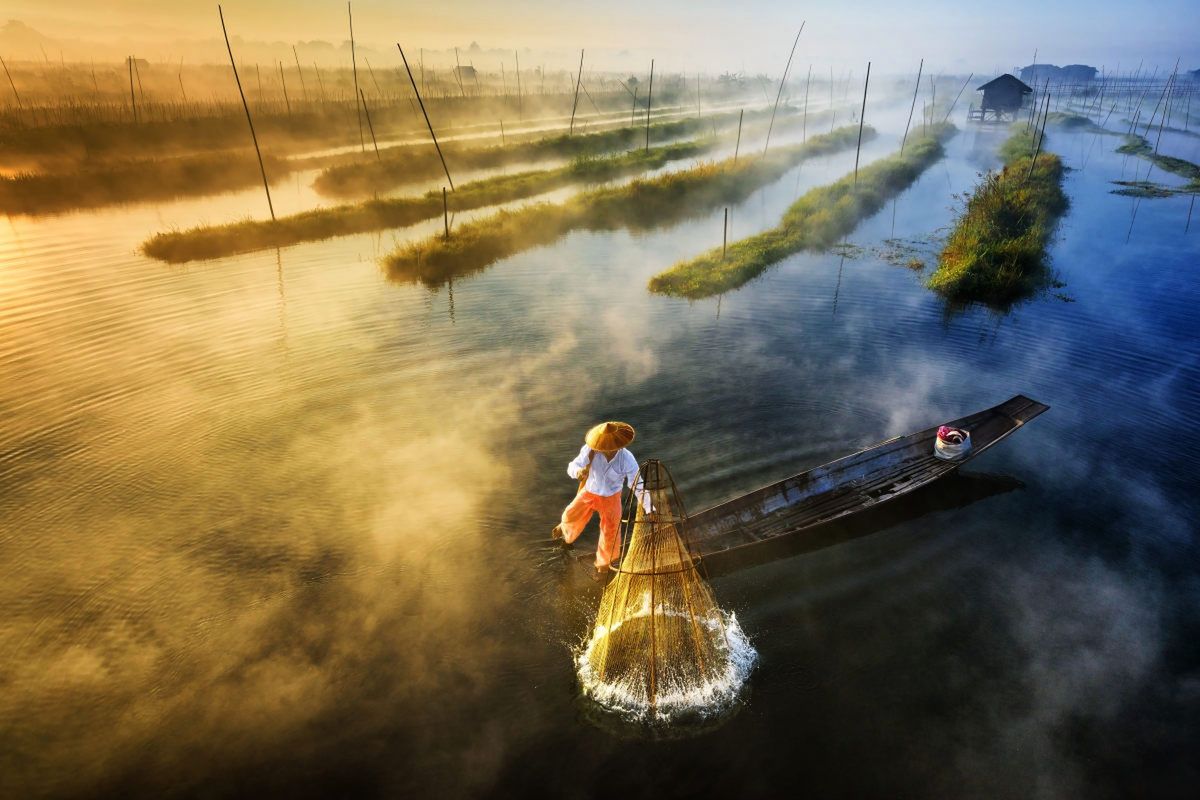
640 204
996 253
406 163
817 220
1136 145
95 183
214 241
135 180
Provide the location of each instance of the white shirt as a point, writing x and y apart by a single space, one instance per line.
606 477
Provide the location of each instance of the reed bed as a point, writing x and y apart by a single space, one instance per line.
996 253
215 241
641 204
817 220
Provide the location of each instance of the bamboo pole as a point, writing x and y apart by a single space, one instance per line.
725 233
578 81
520 109
1040 138
633 111
300 72
782 81
960 91
913 107
861 117
649 101
738 146
370 127
832 113
807 86
138 74
16 94
426 113
354 68
246 106
445 214
320 80
132 99
378 91
182 90
283 83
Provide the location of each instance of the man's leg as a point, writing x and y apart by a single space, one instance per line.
575 516
609 547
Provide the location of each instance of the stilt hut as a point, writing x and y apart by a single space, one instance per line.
1002 98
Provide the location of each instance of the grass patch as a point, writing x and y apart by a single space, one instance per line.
641 204
817 220
996 252
215 241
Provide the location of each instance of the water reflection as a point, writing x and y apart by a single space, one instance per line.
322 568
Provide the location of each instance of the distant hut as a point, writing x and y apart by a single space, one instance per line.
465 73
1002 98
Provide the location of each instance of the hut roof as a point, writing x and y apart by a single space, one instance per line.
1005 79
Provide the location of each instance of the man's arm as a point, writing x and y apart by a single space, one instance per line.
579 463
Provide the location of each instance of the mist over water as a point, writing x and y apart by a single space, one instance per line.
274 524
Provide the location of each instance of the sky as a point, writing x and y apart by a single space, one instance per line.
753 35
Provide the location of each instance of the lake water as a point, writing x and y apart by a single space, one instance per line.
275 524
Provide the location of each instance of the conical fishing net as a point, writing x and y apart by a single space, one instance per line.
661 644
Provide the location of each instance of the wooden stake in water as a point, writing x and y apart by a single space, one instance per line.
649 100
782 81
738 146
432 135
249 121
370 127
862 115
502 133
445 214
575 105
725 233
354 68
320 80
633 111
13 85
913 107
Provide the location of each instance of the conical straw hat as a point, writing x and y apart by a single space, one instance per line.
609 436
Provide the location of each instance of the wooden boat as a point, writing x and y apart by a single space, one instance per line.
855 483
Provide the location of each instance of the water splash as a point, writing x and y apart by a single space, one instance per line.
705 698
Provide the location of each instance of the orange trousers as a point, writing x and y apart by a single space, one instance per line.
576 516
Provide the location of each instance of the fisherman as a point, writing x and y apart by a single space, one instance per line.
603 468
